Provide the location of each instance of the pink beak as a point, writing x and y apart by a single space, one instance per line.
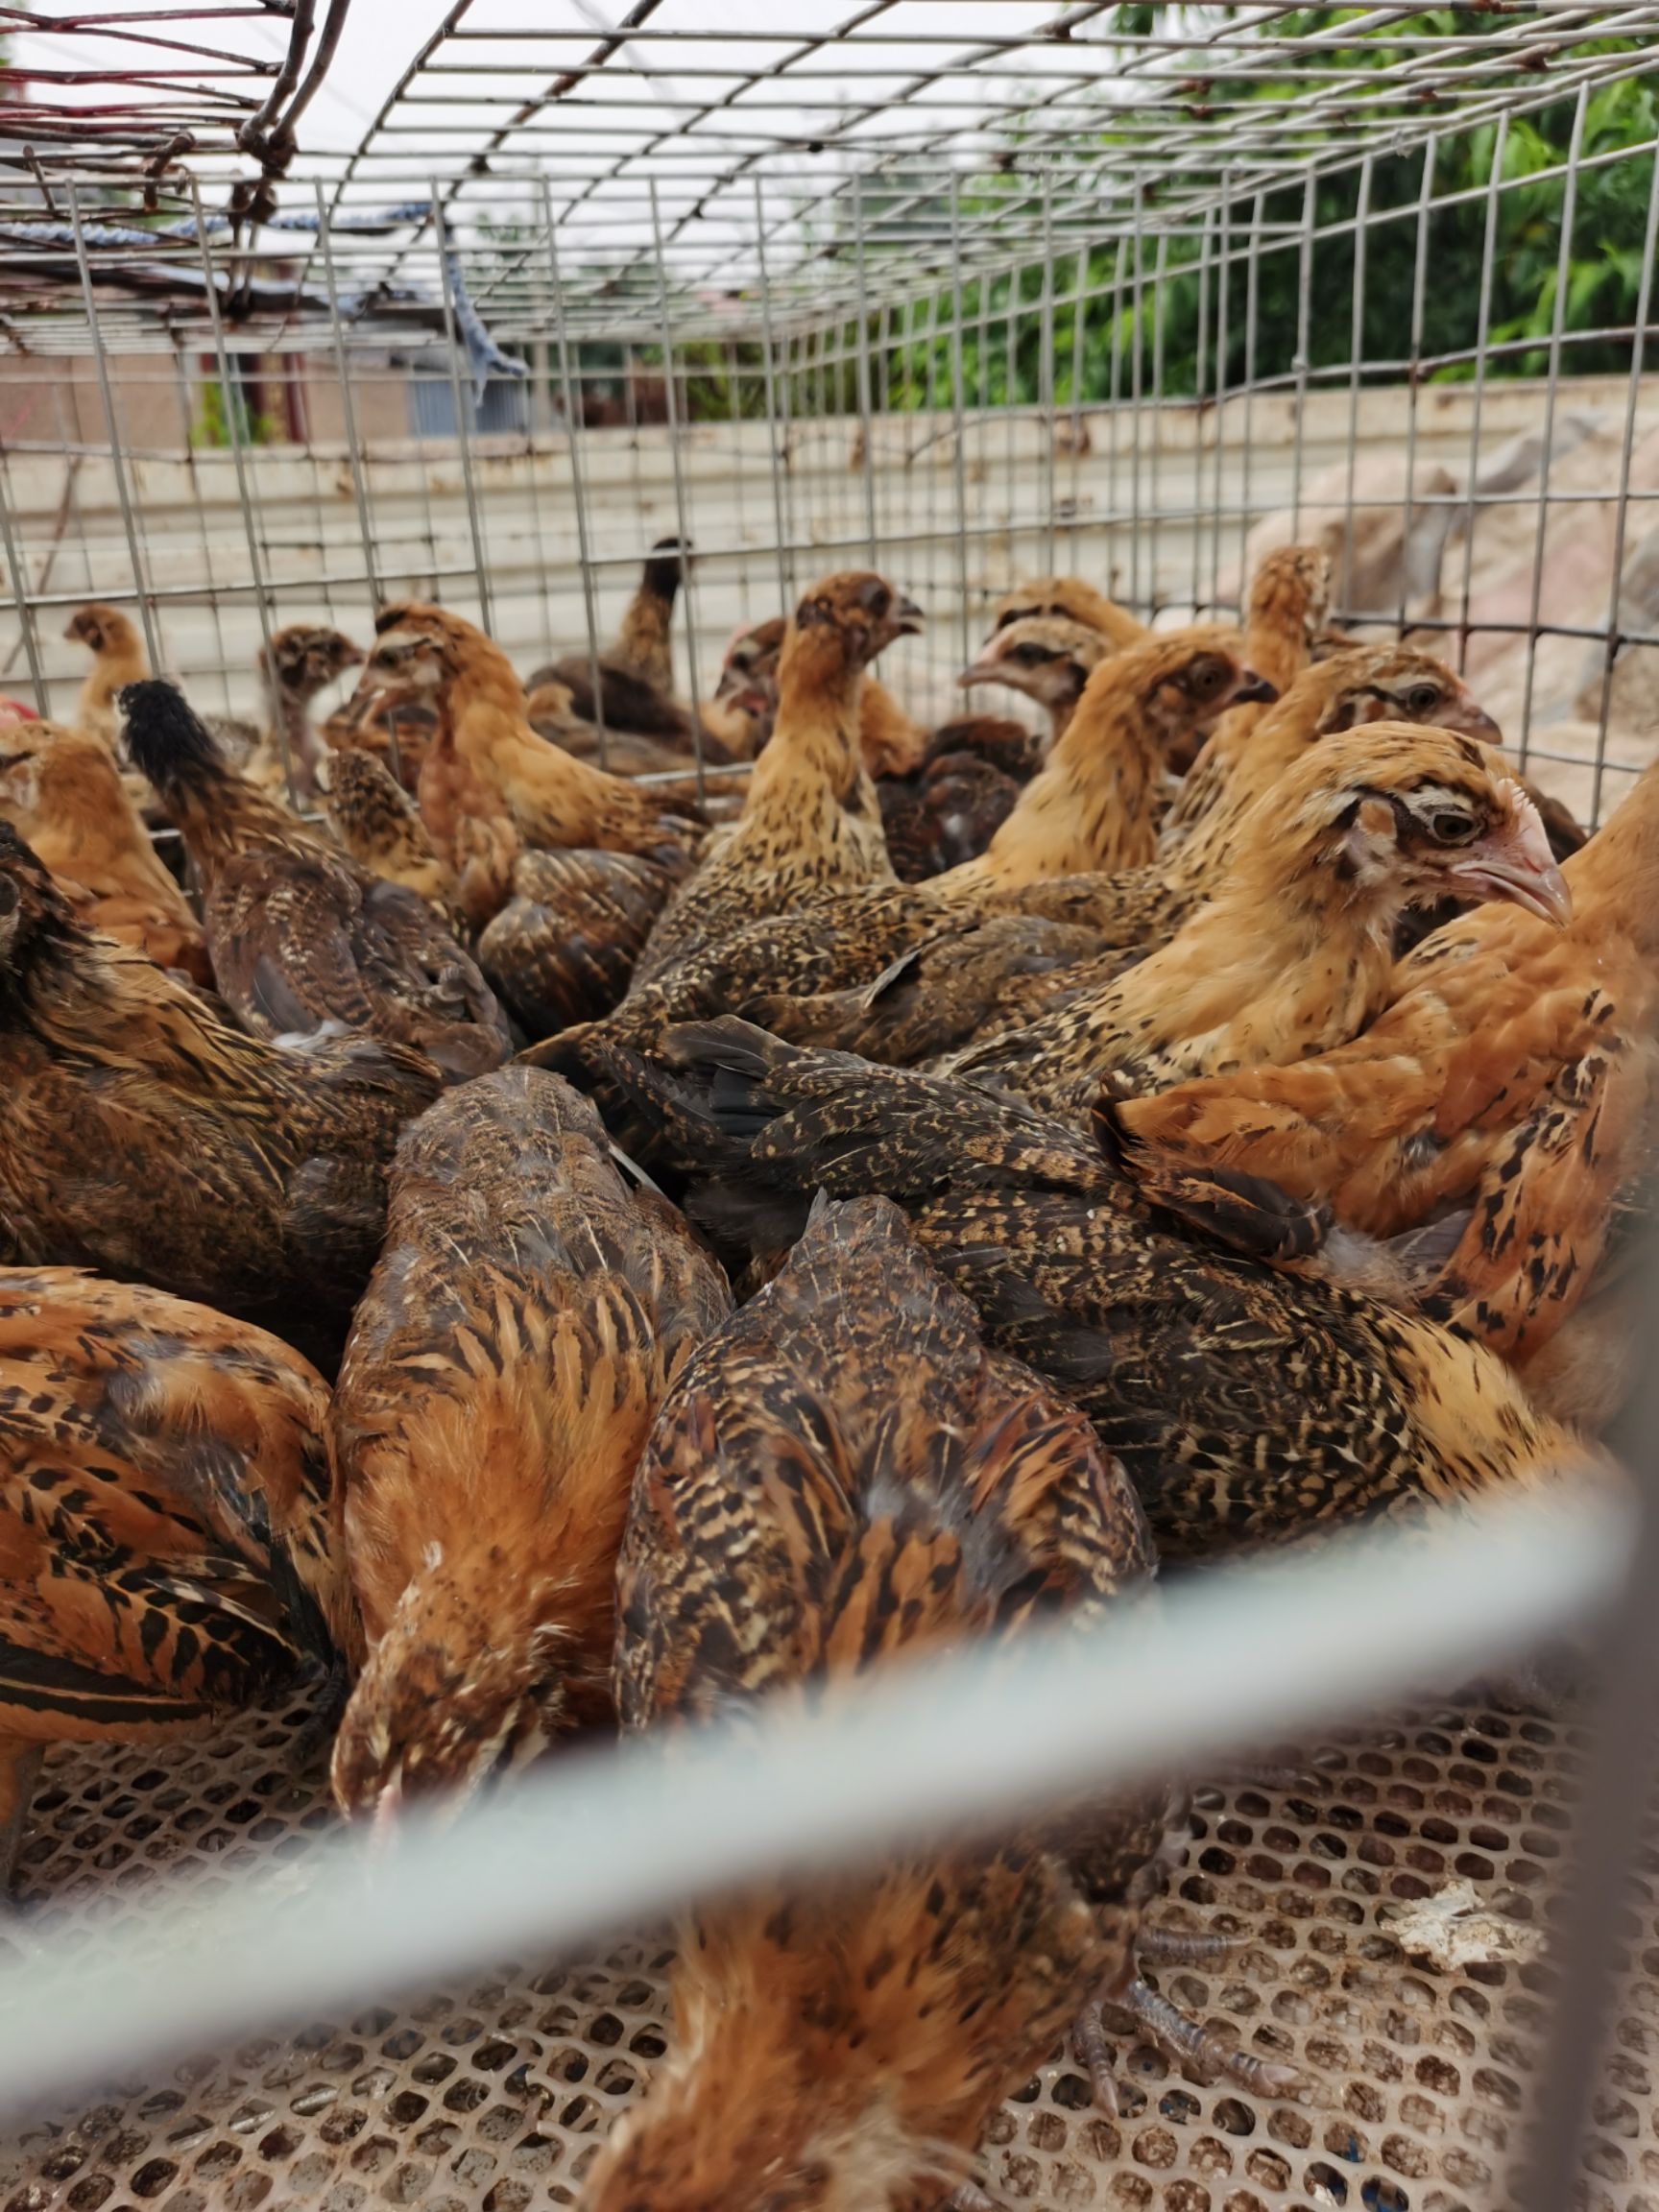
1516 863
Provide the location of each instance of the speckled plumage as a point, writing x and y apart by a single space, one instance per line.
563 947
1249 1405
504 1364
146 1139
167 1548
844 1474
300 935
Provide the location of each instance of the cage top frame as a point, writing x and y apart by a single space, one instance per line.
594 182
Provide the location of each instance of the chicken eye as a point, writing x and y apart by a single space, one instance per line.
1209 677
1452 828
1423 698
1030 656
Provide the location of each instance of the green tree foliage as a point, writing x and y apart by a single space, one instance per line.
1154 330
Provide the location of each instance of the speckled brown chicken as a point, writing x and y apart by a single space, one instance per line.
845 1475
300 660
810 824
167 1545
1250 1405
563 947
1293 951
62 792
528 1313
1513 1071
144 1138
380 825
300 935
951 807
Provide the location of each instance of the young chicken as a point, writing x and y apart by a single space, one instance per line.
811 823
62 792
633 679
300 661
524 1321
301 937
1284 612
392 720
486 760
744 709
1073 601
1513 1071
844 1475
564 946
1095 803
949 807
169 1548
1044 656
380 825
118 658
1250 1407
145 1139
1293 951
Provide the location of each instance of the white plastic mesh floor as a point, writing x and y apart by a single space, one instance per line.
1389 1915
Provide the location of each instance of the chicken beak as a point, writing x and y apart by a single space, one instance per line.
908 618
1515 863
984 671
1254 692
1472 721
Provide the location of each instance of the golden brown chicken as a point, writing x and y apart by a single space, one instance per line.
744 709
1512 1071
485 760
1046 658
843 1476
300 936
168 1548
144 1138
811 823
1292 952
1250 1405
62 792
1076 601
1285 611
118 657
504 1366
1097 802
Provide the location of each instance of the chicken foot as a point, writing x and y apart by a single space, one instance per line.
1166 2025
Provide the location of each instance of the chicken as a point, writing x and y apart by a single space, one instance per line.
485 760
811 823
380 825
526 1317
1289 598
634 680
60 792
301 937
843 1476
950 808
300 661
392 720
145 1139
118 657
1293 951
169 1548
1074 601
1511 1072
1095 804
744 709
564 946
1046 658
1249 1405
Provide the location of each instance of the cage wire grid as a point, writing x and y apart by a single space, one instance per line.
968 293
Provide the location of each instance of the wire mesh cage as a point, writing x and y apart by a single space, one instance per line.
966 295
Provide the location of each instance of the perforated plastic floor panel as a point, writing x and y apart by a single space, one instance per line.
1389 1916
